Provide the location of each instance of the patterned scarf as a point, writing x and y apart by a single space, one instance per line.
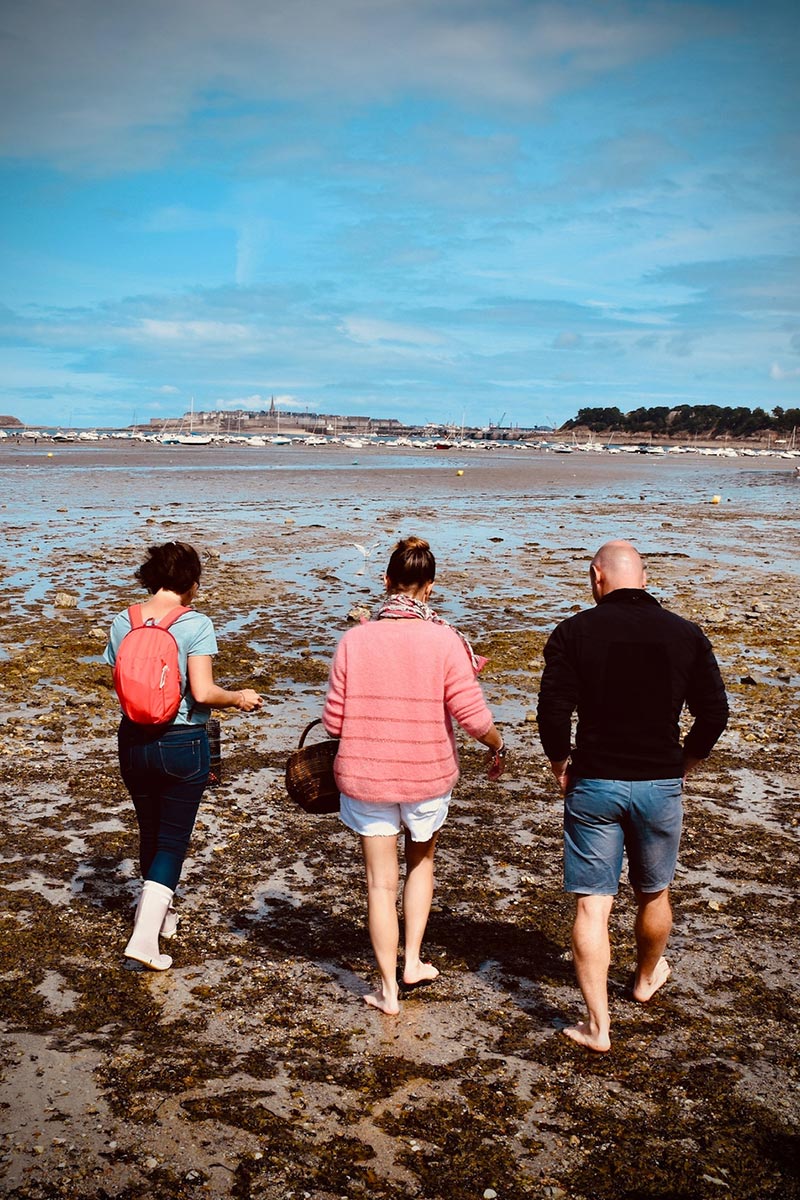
400 606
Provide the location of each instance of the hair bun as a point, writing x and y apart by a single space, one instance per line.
412 564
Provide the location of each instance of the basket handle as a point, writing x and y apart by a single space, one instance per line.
308 728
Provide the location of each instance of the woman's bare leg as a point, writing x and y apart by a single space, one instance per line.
383 874
417 898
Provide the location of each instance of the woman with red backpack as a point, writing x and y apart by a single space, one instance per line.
161 652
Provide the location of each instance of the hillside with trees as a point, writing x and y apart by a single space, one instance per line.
688 420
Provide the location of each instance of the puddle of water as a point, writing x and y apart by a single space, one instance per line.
525 499
282 887
57 992
753 801
55 893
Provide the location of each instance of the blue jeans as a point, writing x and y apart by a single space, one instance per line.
604 817
166 773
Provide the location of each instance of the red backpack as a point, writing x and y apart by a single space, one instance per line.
147 673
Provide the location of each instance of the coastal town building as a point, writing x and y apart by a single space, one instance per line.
274 421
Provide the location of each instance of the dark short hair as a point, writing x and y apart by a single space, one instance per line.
412 564
175 566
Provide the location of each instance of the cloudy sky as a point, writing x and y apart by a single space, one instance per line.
427 209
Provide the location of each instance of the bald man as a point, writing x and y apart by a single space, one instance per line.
628 667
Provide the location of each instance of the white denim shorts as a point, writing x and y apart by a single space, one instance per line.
422 818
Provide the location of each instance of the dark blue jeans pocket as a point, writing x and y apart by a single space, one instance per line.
186 761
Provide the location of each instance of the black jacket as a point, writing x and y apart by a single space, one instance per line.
628 666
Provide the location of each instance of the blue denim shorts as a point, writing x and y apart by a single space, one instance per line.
604 817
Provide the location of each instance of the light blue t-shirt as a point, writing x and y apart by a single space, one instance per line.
194 633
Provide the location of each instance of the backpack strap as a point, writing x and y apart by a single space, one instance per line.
135 616
173 616
165 623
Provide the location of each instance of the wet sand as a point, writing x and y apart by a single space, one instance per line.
253 1068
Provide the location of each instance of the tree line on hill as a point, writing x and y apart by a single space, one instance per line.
688 420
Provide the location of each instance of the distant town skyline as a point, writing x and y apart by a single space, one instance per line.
684 421
228 418
461 213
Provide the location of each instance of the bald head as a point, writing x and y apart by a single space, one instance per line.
616 565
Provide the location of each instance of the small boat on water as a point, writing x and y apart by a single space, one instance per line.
178 437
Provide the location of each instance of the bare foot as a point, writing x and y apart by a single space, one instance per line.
581 1034
388 1005
643 989
421 973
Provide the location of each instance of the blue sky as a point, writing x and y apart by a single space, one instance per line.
426 209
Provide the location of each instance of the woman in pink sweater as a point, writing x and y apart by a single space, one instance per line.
395 685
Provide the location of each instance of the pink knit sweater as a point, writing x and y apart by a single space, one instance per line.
394 686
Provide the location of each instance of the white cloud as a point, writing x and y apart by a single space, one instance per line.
370 330
207 333
74 77
180 218
566 341
259 403
256 403
251 247
779 373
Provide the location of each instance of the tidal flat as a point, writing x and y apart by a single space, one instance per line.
252 1068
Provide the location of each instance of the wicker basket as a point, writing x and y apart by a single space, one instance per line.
309 774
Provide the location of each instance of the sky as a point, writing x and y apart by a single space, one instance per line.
433 210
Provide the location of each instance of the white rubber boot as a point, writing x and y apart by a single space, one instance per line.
143 945
169 926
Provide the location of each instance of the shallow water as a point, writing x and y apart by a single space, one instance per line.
303 510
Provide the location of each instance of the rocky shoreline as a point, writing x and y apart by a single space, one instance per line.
252 1068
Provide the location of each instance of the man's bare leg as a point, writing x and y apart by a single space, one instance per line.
591 952
383 874
653 927
417 898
